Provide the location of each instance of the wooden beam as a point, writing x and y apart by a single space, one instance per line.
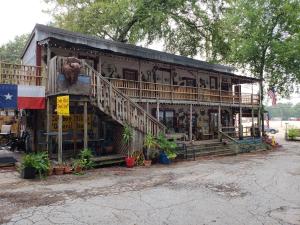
85 126
48 122
191 122
60 157
157 110
219 123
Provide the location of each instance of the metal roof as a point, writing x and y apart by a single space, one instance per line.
42 32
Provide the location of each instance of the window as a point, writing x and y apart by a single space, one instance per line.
129 74
213 83
166 117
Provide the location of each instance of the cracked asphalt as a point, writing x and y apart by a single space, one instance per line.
254 188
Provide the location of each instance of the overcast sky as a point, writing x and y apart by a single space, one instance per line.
19 16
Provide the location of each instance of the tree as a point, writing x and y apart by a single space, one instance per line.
187 27
11 51
265 37
119 20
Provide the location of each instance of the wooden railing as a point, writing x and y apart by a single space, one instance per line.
21 74
150 90
119 106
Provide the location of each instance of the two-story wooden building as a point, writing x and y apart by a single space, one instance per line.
193 99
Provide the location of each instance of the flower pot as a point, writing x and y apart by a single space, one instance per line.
28 173
147 163
59 170
78 169
67 170
50 171
129 162
163 159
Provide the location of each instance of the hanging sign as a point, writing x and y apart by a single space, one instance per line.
62 105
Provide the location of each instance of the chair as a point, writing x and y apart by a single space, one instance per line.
5 135
5 129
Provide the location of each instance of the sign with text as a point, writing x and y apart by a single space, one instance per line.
63 105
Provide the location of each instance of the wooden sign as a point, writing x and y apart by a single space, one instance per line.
63 105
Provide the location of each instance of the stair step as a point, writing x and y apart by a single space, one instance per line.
108 160
220 153
210 152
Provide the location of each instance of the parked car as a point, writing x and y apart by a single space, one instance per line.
271 130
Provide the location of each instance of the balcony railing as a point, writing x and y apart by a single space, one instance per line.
21 74
148 90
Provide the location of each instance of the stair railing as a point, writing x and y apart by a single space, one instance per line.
120 107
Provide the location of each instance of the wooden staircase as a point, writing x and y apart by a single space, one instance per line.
120 107
109 99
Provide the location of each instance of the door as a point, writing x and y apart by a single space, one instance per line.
213 123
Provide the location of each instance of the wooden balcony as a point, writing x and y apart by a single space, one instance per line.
21 74
147 90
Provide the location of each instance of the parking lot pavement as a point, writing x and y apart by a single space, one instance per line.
253 188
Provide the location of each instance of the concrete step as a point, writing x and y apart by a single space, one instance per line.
207 153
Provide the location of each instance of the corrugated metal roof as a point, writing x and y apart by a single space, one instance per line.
43 32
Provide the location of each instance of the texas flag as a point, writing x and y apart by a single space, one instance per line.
22 97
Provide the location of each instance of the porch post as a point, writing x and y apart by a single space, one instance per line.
252 113
157 110
59 154
85 127
219 123
240 124
261 113
140 80
48 128
191 122
147 107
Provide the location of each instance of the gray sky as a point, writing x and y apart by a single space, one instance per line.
19 16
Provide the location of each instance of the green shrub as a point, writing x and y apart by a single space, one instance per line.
85 159
293 133
40 161
167 146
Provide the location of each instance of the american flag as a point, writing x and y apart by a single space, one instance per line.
272 95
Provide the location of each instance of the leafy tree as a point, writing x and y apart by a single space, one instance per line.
119 20
265 37
11 52
187 27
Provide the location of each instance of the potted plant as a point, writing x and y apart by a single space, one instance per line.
149 143
67 169
59 169
167 148
127 138
28 170
86 159
35 163
77 165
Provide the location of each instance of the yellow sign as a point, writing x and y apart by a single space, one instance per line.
62 105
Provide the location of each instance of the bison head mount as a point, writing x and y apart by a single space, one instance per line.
71 70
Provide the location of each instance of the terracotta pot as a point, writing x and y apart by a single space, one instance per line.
147 163
59 170
50 171
129 162
67 170
78 169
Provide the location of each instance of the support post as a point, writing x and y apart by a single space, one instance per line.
261 110
85 126
240 124
157 110
60 139
191 122
219 124
147 107
48 122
